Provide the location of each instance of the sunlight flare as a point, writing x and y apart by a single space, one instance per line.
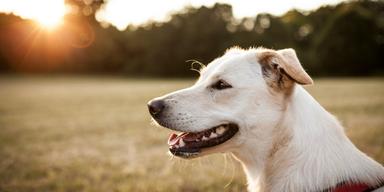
48 13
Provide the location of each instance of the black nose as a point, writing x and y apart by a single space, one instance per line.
155 107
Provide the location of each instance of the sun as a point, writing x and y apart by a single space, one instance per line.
49 22
47 13
51 14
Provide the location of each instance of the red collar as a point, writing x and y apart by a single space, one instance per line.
353 187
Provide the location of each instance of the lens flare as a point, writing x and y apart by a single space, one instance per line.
48 13
51 14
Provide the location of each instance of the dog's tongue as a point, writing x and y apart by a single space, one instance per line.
187 137
172 140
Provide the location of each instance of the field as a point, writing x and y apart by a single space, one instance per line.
94 134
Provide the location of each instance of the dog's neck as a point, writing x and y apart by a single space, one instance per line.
309 152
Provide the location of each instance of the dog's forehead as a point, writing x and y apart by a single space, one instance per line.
230 64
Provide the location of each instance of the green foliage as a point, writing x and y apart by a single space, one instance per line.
347 39
344 48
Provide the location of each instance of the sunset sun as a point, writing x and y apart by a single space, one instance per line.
50 21
50 15
47 13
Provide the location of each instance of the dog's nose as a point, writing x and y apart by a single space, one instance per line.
156 106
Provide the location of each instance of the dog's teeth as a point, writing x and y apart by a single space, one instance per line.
181 142
220 130
204 138
213 135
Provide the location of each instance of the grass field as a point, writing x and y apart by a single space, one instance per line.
94 134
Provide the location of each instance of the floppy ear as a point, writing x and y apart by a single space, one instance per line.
282 66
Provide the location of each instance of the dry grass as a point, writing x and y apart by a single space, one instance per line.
94 134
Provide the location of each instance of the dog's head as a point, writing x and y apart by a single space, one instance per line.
238 96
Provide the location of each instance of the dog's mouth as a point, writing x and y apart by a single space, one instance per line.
188 144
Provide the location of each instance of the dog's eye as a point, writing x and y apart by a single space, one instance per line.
219 85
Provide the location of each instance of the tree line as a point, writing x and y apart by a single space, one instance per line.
342 40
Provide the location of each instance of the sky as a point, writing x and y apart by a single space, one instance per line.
121 13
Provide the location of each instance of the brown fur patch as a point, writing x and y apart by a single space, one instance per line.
273 74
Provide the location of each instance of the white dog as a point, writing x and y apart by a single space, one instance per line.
251 103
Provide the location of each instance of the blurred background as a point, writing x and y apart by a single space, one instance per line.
75 77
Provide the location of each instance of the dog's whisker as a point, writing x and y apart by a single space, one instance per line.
225 164
233 173
171 157
201 66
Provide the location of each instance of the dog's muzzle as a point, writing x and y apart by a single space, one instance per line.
191 144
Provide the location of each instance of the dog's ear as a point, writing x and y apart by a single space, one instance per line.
282 68
293 68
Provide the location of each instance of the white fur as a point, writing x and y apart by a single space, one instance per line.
285 143
319 155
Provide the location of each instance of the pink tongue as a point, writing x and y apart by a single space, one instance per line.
188 137
173 139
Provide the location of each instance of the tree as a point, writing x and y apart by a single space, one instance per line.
348 44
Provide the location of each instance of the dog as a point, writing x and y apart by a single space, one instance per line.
251 103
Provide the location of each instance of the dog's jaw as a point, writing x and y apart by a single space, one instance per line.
316 155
